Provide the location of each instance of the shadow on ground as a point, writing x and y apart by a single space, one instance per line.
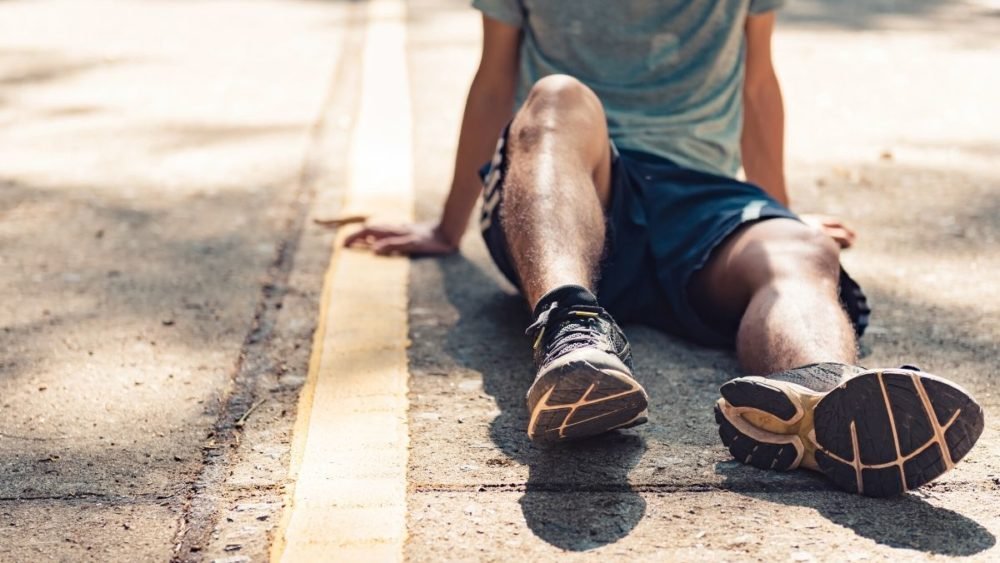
488 339
466 327
484 336
904 522
143 298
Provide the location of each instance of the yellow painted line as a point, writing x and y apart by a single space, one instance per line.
347 501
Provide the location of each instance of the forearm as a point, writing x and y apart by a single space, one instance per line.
763 139
487 110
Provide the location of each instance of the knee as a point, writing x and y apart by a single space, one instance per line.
557 102
559 90
799 254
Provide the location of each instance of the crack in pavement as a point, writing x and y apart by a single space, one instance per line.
145 498
202 506
968 486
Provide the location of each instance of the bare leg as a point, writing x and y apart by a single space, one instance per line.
557 186
778 279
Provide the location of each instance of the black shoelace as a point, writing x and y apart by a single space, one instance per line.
569 328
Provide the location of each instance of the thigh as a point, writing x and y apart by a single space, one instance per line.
562 119
494 174
691 216
753 256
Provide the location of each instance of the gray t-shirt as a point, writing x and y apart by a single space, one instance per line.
669 72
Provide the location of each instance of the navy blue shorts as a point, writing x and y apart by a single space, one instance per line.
663 223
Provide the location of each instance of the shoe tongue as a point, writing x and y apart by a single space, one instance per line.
566 296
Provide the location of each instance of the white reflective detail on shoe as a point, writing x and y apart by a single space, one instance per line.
752 210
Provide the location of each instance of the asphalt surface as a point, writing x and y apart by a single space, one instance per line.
889 128
161 272
162 163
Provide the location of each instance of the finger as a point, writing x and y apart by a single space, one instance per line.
846 233
850 235
356 237
848 240
833 223
394 245
369 234
841 236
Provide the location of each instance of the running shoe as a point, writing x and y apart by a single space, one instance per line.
584 383
873 432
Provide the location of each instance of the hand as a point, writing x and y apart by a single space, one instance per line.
420 239
833 227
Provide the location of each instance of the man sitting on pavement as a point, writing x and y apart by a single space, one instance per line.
612 195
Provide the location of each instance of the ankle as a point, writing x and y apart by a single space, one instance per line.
565 296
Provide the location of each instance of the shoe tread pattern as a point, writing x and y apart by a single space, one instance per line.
758 394
886 432
747 450
583 400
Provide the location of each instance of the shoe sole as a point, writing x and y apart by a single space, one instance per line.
577 397
879 434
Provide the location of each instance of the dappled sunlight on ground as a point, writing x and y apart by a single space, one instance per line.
890 129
